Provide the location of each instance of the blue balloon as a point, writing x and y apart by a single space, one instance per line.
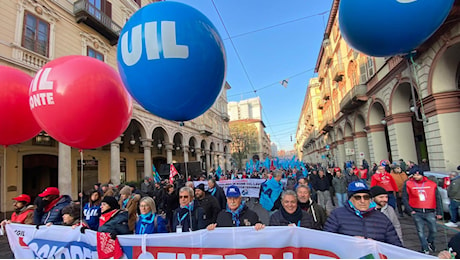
172 60
383 28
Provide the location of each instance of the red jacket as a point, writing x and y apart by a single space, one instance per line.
384 180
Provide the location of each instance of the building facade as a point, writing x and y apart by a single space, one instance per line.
249 111
35 32
385 108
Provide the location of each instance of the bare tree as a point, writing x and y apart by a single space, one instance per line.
244 141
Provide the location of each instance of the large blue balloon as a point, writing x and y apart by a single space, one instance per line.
384 28
172 60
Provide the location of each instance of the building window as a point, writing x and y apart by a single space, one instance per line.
36 34
95 54
138 2
95 8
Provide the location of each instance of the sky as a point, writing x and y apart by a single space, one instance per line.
266 42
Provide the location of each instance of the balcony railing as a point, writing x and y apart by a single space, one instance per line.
87 13
338 72
29 58
205 130
354 98
225 116
325 90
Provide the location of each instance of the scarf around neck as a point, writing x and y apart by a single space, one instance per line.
236 214
294 218
361 213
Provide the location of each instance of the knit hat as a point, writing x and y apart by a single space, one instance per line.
200 187
377 190
126 190
357 187
415 170
73 210
111 201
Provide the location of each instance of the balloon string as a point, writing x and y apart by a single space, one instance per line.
81 185
415 66
4 181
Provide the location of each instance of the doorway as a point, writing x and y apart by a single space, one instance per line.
39 172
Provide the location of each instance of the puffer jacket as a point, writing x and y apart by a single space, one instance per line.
54 214
373 224
277 219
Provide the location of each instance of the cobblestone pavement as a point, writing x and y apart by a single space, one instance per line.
410 237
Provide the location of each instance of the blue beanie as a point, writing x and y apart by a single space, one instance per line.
414 170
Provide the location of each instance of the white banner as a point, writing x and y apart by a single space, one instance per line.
248 187
238 243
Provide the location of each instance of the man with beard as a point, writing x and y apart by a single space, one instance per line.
236 214
49 210
209 204
311 207
380 197
23 212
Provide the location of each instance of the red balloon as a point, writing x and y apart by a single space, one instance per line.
17 122
80 101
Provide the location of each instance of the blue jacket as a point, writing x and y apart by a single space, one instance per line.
152 224
54 214
373 224
92 214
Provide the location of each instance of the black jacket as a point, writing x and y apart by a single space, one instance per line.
196 223
247 218
117 224
277 219
220 196
211 208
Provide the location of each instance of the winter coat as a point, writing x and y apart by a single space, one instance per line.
322 184
340 184
152 224
197 221
24 216
247 217
373 224
316 212
399 178
453 191
54 214
131 207
219 194
391 215
91 214
277 219
351 178
211 208
117 224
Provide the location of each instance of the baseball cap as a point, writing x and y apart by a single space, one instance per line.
233 192
22 197
357 187
49 191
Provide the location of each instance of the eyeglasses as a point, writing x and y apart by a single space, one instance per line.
359 197
143 206
183 197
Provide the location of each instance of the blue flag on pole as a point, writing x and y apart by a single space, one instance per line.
156 176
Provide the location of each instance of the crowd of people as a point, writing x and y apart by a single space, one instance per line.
359 201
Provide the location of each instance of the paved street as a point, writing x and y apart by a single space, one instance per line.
409 235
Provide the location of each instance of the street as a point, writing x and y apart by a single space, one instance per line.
409 235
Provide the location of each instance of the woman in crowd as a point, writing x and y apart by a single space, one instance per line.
71 215
92 210
290 213
113 220
129 202
148 222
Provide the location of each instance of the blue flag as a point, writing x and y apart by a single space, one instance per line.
156 176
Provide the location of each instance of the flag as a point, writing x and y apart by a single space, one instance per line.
219 171
272 166
284 82
156 176
172 172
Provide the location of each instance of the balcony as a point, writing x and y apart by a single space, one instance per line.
327 55
227 139
326 125
205 130
325 90
320 105
354 99
337 72
99 21
225 116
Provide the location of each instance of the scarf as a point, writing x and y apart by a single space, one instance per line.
51 205
184 210
106 216
212 191
236 214
125 203
144 221
293 218
361 213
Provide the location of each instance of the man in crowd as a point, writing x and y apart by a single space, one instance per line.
453 191
23 211
49 209
422 199
400 178
311 207
209 204
270 192
236 213
383 179
322 185
216 191
359 219
380 197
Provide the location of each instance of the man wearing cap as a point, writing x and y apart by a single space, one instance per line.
380 197
359 218
23 212
51 205
209 204
422 199
236 214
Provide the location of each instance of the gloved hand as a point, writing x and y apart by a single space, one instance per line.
83 229
113 235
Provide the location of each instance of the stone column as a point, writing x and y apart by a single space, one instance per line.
115 161
401 135
348 144
147 145
198 154
377 143
340 153
186 150
169 148
65 170
362 146
208 160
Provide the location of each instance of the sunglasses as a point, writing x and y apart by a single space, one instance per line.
359 197
183 197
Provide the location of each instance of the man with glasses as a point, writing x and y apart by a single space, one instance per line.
422 199
189 216
359 218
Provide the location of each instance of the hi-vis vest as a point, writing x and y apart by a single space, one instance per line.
21 217
421 195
